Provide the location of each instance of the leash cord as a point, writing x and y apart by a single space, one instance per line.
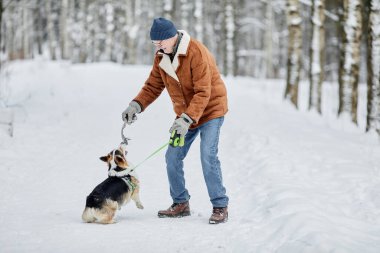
126 139
155 152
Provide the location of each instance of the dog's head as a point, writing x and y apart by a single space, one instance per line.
116 158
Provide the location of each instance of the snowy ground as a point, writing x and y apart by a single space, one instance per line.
297 182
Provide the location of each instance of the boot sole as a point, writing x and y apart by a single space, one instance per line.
217 222
184 214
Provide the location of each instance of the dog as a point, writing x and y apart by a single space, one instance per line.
118 189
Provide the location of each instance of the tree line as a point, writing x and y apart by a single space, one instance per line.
315 40
358 37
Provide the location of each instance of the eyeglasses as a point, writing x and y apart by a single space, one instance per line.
157 43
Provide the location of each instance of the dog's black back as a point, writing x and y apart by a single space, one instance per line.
112 188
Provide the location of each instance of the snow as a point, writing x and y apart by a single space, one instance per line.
297 182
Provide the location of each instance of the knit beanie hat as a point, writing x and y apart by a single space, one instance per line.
162 29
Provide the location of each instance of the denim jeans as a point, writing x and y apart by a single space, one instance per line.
212 173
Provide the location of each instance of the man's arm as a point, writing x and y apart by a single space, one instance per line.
152 88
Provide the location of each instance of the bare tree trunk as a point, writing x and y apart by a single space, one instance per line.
50 30
185 11
129 20
268 44
317 51
229 28
2 48
39 26
145 5
84 37
168 9
348 88
236 37
26 30
373 67
198 14
110 27
132 27
64 40
294 51
221 46
1 41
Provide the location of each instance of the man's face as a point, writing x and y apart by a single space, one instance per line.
166 45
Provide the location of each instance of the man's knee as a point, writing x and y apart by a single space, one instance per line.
173 154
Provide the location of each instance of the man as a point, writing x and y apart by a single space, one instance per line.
186 68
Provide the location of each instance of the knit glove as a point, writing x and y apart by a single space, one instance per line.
181 125
129 114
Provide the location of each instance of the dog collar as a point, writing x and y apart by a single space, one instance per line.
114 173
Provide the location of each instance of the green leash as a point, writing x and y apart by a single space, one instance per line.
175 141
125 141
155 152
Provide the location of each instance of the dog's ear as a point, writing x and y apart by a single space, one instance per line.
105 158
120 161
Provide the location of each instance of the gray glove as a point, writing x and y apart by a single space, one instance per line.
129 114
181 125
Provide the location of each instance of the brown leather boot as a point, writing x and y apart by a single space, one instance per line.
219 215
176 210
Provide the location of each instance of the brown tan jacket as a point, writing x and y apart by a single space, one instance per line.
192 81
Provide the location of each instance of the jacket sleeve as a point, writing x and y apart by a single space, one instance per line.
152 88
201 78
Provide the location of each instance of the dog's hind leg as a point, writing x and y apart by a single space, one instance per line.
107 213
106 219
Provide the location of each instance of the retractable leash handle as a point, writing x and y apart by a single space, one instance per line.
176 140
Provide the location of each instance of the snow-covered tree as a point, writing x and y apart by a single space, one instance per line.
64 35
268 40
229 23
317 51
373 67
294 51
349 69
39 26
110 30
51 16
186 8
198 15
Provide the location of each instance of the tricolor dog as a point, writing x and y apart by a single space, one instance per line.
118 189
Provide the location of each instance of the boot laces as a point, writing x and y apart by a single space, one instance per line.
217 211
174 205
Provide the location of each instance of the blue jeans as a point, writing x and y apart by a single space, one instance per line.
212 173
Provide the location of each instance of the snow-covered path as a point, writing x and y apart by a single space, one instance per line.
295 183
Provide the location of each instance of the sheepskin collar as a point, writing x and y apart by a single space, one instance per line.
171 67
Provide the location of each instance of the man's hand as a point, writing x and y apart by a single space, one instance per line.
129 114
181 125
